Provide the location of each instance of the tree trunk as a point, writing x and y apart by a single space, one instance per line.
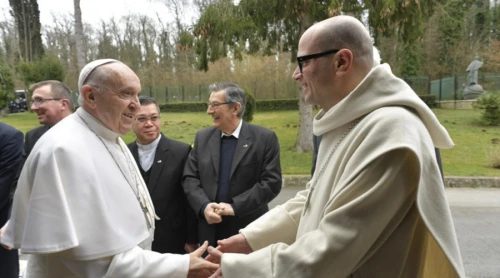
80 53
304 138
305 135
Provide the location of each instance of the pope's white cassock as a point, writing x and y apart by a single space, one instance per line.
77 212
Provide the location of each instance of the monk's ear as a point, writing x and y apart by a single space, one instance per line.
88 93
343 61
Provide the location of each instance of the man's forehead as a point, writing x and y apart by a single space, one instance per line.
217 95
148 109
42 90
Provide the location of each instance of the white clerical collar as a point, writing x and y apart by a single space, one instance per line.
97 126
236 132
151 145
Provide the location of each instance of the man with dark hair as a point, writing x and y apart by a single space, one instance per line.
233 171
52 101
161 162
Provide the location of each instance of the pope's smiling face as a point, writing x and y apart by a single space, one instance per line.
117 102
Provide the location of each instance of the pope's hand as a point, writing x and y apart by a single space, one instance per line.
191 247
211 213
198 267
225 209
235 244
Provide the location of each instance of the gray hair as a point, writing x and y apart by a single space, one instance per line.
57 90
233 94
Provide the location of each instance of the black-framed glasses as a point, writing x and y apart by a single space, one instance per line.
152 118
214 105
39 101
302 59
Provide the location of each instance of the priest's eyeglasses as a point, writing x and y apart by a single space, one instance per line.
39 101
152 118
215 105
302 59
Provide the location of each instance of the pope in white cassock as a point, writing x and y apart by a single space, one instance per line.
81 208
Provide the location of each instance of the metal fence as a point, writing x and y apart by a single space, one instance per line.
447 88
452 88
197 93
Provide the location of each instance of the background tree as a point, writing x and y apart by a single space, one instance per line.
27 18
80 52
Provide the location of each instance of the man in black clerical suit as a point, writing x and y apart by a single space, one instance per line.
161 162
11 146
233 171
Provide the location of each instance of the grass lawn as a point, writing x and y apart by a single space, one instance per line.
474 143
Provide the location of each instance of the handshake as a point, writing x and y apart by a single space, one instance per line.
211 265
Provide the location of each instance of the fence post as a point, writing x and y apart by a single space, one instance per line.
255 89
274 89
440 88
166 94
455 85
199 92
182 93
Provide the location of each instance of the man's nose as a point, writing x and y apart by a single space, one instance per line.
296 75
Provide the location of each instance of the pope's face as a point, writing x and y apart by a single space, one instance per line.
118 102
147 124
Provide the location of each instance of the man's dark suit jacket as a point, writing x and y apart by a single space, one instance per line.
11 146
30 140
178 222
255 177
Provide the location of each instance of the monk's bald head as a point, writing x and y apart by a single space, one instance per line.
343 32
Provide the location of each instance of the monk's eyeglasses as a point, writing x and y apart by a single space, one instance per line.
302 59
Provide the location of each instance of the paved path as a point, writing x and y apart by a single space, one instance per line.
476 214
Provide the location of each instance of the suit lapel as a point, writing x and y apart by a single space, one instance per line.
159 160
244 143
214 147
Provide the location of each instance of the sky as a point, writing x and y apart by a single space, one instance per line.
93 11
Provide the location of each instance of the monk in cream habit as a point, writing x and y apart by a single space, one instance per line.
376 205
81 208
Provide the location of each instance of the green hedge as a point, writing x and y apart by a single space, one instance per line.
261 105
430 100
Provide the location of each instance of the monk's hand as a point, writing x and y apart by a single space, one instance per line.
235 244
2 231
198 267
211 215
225 209
217 274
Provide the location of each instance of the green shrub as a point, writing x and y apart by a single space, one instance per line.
49 67
489 103
430 100
184 107
6 86
249 107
